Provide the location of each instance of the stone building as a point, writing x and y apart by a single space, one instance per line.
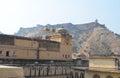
23 50
11 72
98 67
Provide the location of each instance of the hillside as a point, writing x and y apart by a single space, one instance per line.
101 42
92 38
1 33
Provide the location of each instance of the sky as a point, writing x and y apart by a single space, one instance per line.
27 13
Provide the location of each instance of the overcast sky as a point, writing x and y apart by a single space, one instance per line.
27 13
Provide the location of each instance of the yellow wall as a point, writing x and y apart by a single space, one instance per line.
11 72
24 53
102 63
27 49
26 43
65 52
66 47
24 49
101 74
52 55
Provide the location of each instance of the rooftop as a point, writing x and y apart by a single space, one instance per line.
97 69
104 70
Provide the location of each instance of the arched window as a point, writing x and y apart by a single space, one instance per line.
82 75
96 76
109 77
76 75
71 74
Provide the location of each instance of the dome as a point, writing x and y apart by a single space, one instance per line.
62 30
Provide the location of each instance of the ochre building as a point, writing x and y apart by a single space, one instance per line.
54 47
98 67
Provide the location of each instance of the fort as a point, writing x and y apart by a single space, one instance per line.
50 56
21 50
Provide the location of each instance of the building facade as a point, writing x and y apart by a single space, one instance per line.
98 67
57 47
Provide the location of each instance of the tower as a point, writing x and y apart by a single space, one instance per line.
96 21
65 39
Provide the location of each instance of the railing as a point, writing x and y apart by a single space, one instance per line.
44 70
47 70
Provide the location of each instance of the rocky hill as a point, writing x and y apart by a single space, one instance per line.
101 42
92 38
1 33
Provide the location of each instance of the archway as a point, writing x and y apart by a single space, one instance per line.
82 75
76 75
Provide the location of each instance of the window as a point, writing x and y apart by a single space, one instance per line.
63 55
96 76
7 53
71 74
67 43
14 53
50 46
0 52
66 56
76 75
6 40
82 75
